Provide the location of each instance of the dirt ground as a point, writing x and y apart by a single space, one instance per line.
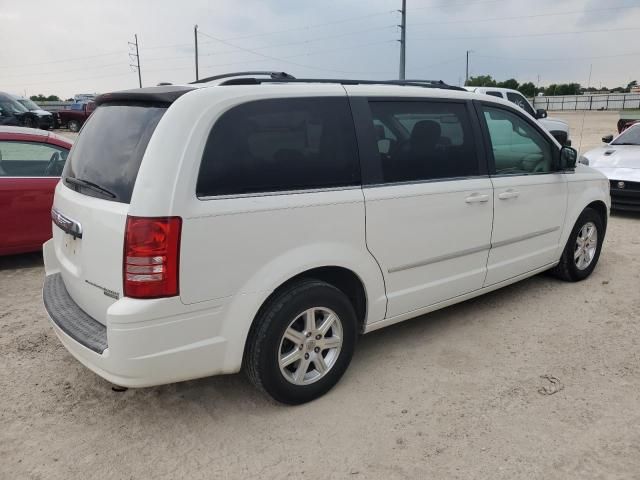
538 380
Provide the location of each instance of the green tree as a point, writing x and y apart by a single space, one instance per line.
511 83
53 98
481 81
528 89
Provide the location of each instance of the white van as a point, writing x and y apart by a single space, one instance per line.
558 128
267 222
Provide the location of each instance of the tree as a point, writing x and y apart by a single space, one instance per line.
481 81
512 83
631 84
528 89
41 98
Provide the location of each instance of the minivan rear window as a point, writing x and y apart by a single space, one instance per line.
105 160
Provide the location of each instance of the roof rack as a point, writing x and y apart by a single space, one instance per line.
342 81
247 78
272 75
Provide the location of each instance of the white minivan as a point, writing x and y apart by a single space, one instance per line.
264 223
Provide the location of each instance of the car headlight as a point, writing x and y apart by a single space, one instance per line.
583 160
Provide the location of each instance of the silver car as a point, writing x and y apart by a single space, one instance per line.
619 160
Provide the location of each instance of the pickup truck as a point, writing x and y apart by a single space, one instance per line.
558 128
74 118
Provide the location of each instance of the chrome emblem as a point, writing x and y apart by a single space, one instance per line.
620 184
66 224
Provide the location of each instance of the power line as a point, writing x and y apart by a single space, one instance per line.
271 57
565 59
546 34
66 60
519 17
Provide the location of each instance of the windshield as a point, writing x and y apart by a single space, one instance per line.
11 106
29 104
107 155
631 136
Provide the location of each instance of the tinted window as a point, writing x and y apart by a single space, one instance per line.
520 101
26 159
495 94
110 148
518 148
428 140
280 144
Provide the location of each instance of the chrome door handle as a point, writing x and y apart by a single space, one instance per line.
509 194
477 198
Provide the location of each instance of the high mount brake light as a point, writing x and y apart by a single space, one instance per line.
151 257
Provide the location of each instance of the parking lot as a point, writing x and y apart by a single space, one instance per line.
537 380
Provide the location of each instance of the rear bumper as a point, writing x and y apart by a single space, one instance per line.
144 342
70 318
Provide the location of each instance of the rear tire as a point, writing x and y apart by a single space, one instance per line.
289 354
582 250
74 125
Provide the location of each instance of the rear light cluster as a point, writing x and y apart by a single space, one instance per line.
151 257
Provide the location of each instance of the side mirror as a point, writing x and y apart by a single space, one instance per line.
541 113
568 158
607 138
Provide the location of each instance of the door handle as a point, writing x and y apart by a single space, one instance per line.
511 193
477 198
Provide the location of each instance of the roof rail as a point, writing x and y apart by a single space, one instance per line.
273 75
343 81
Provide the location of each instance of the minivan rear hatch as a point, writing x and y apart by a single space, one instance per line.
92 200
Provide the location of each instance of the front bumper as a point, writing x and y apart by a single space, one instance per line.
46 122
625 195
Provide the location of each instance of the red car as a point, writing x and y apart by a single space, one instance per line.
31 162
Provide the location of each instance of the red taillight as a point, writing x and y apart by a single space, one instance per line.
151 257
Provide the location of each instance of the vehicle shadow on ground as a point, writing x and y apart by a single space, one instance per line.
234 393
24 260
625 214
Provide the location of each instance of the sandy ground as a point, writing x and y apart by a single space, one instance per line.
459 393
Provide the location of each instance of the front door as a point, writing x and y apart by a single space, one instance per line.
530 195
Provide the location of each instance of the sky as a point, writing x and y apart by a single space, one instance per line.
69 47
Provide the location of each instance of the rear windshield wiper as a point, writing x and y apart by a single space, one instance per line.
90 185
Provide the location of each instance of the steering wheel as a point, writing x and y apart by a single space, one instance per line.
53 166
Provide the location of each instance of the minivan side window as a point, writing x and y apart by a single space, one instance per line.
518 148
278 145
429 140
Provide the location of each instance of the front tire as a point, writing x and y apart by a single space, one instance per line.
302 342
582 251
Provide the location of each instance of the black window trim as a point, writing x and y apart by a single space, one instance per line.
371 164
298 191
555 151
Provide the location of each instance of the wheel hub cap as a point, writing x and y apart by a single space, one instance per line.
586 245
310 346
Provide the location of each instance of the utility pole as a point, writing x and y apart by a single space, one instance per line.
195 37
136 58
403 39
466 78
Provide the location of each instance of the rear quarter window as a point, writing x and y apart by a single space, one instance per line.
280 144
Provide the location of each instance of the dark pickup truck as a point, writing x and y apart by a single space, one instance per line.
74 118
